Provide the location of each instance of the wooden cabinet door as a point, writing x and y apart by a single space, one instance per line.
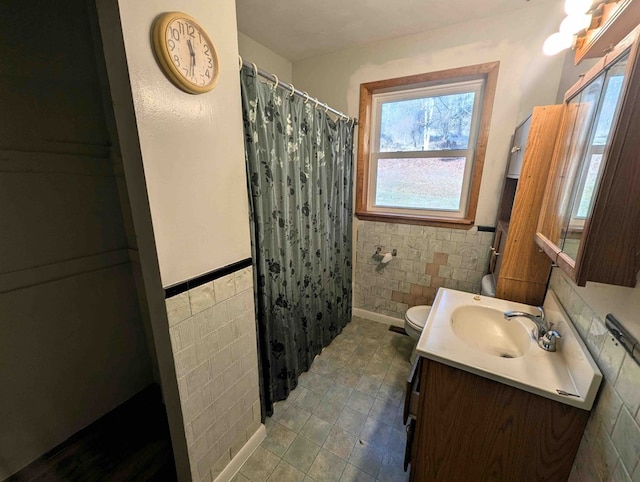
590 215
470 428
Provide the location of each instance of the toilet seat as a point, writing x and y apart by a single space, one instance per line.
416 316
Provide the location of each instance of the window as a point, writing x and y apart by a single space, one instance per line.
421 145
595 150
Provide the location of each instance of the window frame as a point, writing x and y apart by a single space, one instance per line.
488 73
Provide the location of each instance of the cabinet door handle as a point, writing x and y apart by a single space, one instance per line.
515 149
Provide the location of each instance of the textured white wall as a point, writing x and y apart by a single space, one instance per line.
610 447
191 145
526 78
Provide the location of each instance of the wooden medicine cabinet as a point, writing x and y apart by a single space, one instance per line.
590 218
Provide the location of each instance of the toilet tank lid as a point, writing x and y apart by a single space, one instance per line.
417 315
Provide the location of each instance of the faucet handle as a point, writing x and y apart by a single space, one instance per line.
548 340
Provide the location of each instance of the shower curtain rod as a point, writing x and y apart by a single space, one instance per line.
274 78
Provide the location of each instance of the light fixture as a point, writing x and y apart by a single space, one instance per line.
556 43
582 16
575 23
576 7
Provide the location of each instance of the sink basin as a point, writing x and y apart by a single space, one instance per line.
469 332
485 329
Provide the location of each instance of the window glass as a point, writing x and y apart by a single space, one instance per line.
420 143
427 124
432 183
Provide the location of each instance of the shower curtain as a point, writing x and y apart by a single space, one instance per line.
300 176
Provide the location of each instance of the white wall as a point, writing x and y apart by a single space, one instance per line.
526 78
264 58
191 145
183 158
571 72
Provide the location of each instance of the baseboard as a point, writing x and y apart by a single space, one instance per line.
241 457
380 318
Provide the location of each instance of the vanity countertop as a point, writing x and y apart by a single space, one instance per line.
568 375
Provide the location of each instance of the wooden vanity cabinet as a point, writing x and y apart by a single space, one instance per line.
471 428
590 217
520 269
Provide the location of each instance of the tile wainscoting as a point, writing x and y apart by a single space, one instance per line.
610 448
213 337
427 258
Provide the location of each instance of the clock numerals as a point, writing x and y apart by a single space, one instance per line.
188 51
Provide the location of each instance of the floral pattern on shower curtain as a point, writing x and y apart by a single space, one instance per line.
300 178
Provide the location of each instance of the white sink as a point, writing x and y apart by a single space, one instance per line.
485 329
469 332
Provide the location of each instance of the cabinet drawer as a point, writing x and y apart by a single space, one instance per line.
412 391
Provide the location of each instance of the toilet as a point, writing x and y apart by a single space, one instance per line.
416 316
488 285
414 320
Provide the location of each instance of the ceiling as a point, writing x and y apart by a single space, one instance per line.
299 29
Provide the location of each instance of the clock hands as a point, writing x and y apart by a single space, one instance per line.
193 58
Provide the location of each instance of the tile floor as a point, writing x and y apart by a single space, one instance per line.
344 420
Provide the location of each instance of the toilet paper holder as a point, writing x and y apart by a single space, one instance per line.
383 259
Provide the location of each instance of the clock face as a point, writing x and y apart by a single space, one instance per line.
186 53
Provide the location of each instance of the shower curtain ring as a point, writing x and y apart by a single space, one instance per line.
277 81
255 70
316 99
306 97
240 61
293 91
326 108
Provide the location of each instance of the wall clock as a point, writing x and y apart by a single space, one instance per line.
185 52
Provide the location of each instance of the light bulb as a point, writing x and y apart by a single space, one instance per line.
557 42
575 23
574 7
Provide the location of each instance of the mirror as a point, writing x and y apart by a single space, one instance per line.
598 105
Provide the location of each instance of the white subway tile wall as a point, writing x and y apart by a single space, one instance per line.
610 448
213 338
427 258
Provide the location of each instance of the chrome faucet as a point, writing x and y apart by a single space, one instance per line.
545 336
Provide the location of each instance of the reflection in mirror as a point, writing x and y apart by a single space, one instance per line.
585 106
590 158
